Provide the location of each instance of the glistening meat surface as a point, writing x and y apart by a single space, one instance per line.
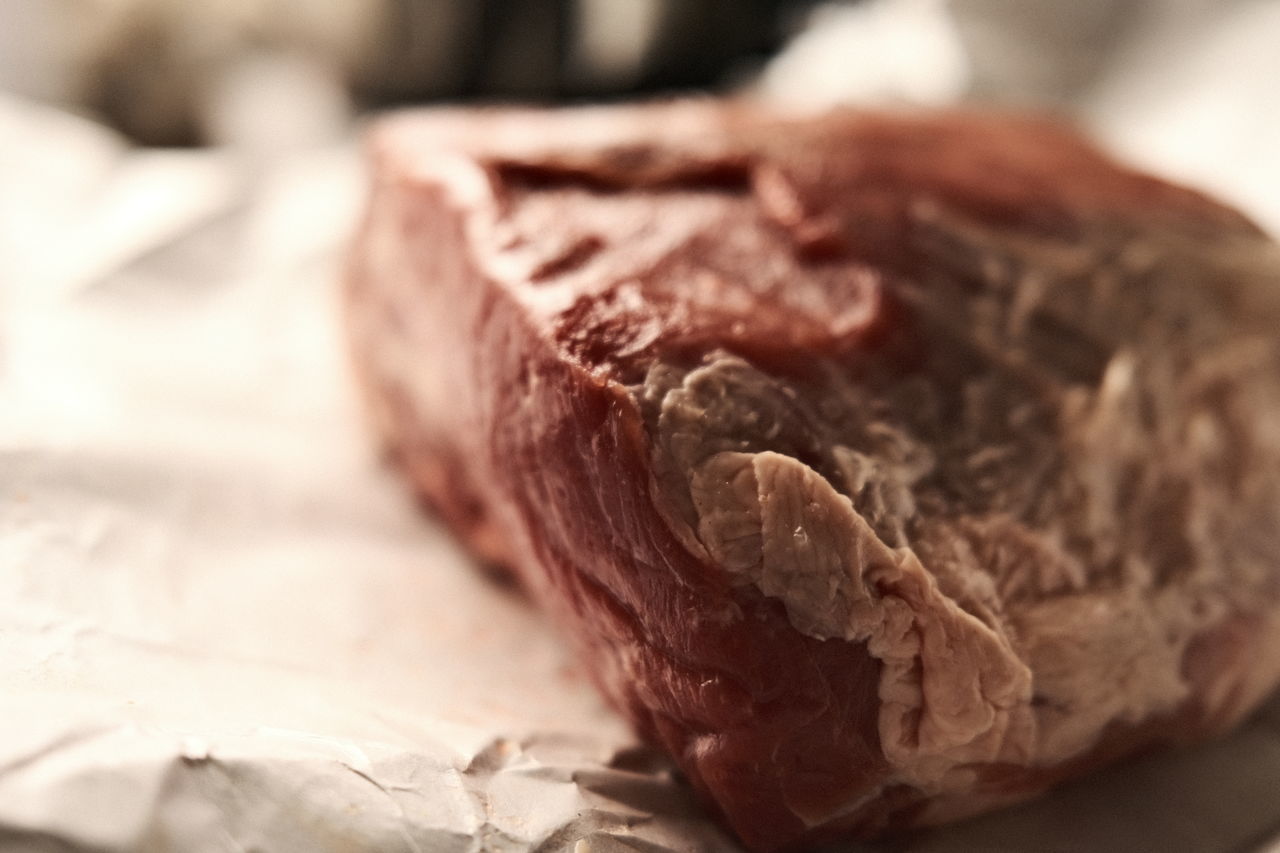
883 468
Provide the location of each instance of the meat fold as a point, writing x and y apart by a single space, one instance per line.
883 468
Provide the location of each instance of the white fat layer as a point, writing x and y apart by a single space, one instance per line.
1034 679
951 689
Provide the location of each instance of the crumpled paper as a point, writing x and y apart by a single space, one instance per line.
224 626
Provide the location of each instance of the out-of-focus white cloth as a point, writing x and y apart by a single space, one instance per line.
1195 95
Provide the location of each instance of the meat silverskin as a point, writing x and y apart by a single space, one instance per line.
882 468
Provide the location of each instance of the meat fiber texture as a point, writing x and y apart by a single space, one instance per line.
883 468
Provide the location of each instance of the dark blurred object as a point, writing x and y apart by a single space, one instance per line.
552 49
155 66
165 71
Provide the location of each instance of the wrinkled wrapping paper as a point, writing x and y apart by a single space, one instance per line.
224 626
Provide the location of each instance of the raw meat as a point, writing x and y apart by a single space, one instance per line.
884 469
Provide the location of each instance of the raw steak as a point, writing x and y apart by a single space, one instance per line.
885 469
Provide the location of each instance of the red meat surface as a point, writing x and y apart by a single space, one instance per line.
883 468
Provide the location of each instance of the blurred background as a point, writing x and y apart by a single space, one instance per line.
1187 88
1183 84
1176 82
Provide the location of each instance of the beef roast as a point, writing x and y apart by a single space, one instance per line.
884 469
